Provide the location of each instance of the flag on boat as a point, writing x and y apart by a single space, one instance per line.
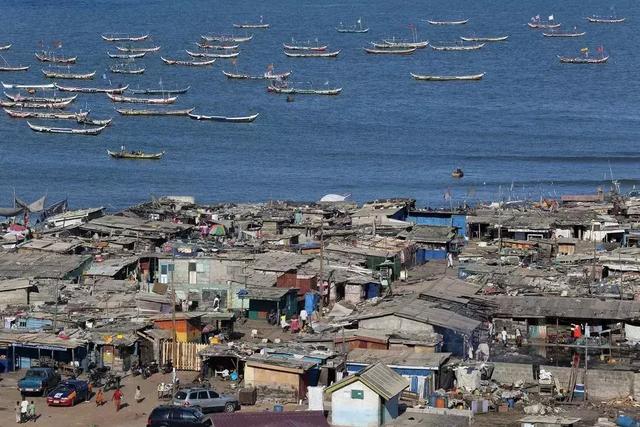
359 21
600 49
584 50
537 18
550 17
447 194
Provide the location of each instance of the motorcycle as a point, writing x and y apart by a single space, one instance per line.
112 382
136 369
167 368
150 369
96 375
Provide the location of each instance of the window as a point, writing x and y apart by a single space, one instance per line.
203 395
164 268
188 416
213 395
193 395
357 394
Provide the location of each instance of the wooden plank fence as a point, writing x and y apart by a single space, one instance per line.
186 359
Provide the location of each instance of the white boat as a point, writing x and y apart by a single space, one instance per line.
21 86
436 78
137 100
68 131
212 55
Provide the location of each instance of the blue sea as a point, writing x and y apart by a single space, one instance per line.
532 128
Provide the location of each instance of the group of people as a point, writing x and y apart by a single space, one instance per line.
297 322
25 411
117 398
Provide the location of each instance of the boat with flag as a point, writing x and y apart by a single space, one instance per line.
453 22
119 37
537 23
227 119
584 58
63 88
138 100
357 28
67 131
438 78
187 63
134 155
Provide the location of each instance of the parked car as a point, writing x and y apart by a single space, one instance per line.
207 400
177 416
68 393
38 380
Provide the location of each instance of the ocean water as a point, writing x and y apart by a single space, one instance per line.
531 128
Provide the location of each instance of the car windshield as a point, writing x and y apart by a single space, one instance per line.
61 390
34 373
181 395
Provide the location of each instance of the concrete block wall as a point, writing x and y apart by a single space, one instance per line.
601 384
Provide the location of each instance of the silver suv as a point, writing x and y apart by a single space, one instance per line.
205 399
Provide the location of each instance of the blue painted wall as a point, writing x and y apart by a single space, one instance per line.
434 218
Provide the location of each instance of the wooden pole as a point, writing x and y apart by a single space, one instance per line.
173 311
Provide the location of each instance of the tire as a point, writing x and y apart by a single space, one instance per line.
229 407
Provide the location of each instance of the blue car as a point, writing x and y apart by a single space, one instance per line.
69 392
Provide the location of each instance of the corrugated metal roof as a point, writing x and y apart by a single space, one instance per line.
271 419
110 266
577 308
379 377
398 357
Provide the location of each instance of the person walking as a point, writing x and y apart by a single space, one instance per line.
24 408
503 335
449 260
303 318
99 398
138 395
18 411
117 398
31 411
518 338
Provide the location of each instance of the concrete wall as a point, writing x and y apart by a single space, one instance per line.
259 377
346 411
600 383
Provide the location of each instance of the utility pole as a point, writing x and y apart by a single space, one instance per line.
55 313
174 348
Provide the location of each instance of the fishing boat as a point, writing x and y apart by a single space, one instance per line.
35 105
135 155
458 22
260 25
117 37
58 115
393 43
601 20
126 69
229 39
241 119
62 88
6 47
22 98
457 173
138 112
582 60
59 75
434 78
457 47
217 47
93 122
302 91
136 100
567 34
312 54
484 39
29 87
390 51
265 76
126 55
537 23
138 49
212 55
316 48
160 91
10 68
49 57
187 63
358 28
69 131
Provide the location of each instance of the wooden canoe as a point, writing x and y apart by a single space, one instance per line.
135 155
187 63
147 112
434 78
136 100
240 119
67 131
91 89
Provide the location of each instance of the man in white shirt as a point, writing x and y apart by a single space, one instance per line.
24 407
303 317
